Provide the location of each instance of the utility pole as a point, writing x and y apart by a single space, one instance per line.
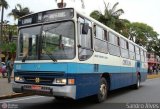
61 4
1 25
83 6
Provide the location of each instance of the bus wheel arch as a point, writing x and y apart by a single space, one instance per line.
103 88
102 92
106 75
139 74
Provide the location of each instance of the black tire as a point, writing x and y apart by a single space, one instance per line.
59 98
137 85
103 91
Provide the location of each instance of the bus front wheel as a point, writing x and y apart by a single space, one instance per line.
103 90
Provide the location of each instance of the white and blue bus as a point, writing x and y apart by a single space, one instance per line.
63 53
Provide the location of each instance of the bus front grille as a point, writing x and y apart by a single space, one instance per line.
39 80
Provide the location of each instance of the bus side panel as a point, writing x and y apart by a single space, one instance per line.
86 84
119 80
87 80
120 76
142 70
144 76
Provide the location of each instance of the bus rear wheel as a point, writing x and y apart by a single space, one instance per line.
103 90
137 85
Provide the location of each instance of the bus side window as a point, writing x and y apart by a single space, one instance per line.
99 32
113 44
137 50
105 35
131 51
85 50
100 43
124 48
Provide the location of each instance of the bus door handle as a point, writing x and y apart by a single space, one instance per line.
96 67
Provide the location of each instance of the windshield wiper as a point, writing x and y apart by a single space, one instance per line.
50 56
24 58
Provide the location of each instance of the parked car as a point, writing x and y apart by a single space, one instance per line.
3 68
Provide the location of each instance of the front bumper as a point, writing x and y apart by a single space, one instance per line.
68 91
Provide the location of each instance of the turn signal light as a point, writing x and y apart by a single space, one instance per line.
71 81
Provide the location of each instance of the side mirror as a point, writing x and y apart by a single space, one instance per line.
85 28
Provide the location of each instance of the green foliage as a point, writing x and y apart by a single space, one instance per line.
9 31
154 46
8 47
140 33
3 3
110 16
19 11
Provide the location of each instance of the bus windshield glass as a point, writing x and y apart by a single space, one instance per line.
54 40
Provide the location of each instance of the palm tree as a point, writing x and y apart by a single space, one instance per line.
4 5
110 16
19 11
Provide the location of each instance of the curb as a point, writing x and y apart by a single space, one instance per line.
14 95
153 76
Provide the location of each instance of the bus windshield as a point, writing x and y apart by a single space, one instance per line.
57 41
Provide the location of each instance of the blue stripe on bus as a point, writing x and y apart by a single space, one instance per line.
87 79
75 68
88 84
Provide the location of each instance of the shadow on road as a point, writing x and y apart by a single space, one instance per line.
121 91
86 103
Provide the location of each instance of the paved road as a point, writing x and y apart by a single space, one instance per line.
149 92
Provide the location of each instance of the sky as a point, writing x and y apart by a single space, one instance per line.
145 11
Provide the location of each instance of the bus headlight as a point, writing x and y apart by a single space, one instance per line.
18 79
62 81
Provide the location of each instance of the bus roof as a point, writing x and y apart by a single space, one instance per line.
83 15
107 28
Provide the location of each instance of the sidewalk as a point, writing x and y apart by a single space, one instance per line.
6 89
152 76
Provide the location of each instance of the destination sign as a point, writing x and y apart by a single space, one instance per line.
47 16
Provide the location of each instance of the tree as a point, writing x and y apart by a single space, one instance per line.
141 33
124 29
154 47
19 11
3 5
9 48
110 16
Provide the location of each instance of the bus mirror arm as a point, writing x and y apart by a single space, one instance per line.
79 46
24 58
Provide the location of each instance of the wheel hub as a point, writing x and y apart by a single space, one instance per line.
103 90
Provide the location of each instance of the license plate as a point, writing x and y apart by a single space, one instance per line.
36 87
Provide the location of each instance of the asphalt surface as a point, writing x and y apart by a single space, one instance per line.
147 95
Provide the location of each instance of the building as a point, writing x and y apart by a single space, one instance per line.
153 62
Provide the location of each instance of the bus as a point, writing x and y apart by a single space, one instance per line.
66 54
